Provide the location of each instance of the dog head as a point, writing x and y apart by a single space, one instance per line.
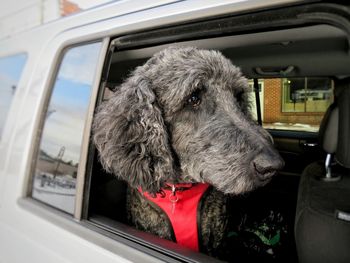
184 116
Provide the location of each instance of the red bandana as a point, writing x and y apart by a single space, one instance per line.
181 205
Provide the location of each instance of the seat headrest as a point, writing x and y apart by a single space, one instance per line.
334 133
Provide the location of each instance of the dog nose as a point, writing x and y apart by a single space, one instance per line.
266 163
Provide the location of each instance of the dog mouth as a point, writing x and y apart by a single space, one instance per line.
263 179
264 174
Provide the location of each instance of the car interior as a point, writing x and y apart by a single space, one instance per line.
303 214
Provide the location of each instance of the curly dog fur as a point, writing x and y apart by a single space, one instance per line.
184 116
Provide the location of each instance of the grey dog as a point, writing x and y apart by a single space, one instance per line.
184 116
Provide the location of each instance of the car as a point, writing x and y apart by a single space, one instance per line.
58 204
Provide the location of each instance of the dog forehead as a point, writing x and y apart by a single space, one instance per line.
177 72
188 57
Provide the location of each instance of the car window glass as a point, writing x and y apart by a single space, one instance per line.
10 72
293 103
57 165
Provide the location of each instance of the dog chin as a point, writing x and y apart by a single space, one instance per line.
236 189
262 180
255 181
260 183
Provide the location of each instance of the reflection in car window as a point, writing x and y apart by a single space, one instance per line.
293 103
10 73
58 160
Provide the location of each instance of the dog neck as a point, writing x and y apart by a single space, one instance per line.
181 204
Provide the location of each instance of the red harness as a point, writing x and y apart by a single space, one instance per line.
180 203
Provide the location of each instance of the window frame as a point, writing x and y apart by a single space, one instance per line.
305 112
80 180
263 85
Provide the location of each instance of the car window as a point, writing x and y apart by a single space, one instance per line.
10 72
286 103
296 104
58 158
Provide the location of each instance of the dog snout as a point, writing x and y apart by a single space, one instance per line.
267 163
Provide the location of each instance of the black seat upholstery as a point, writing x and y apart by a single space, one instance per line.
322 224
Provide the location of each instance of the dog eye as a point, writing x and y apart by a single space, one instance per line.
194 99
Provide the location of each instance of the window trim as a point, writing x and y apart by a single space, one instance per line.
252 22
84 150
43 108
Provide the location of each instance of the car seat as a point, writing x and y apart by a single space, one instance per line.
322 223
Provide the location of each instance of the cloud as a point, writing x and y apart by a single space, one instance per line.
64 126
64 129
79 64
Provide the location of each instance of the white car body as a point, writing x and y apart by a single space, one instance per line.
30 232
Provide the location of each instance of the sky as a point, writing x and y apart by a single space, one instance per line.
69 102
10 71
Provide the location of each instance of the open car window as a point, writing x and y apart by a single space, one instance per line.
293 95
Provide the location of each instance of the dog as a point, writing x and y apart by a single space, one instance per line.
181 121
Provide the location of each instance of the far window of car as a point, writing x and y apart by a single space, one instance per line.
58 157
296 104
10 72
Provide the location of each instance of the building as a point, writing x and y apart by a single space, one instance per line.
20 15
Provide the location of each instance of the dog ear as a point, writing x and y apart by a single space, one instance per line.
131 137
